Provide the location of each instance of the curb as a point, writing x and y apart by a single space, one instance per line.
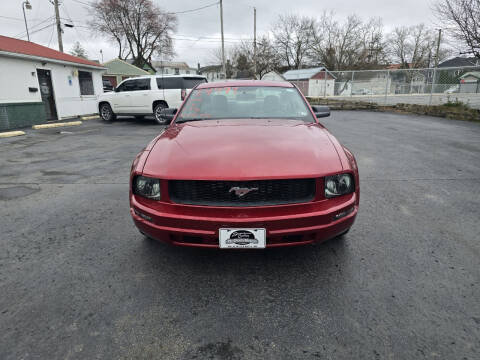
92 117
11 134
48 126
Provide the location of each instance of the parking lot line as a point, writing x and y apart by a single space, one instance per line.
48 126
11 133
92 117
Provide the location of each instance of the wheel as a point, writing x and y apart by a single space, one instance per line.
106 113
157 111
139 117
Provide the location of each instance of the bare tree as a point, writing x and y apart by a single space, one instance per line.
351 44
292 38
78 50
140 28
412 47
463 20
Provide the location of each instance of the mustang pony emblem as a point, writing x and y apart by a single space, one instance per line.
241 191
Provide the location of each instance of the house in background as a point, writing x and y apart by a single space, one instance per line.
312 82
273 76
460 61
119 70
211 72
470 82
147 66
39 84
173 68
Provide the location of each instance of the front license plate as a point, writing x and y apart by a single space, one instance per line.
242 238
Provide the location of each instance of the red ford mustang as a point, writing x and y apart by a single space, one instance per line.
244 164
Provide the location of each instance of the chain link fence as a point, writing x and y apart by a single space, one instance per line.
433 86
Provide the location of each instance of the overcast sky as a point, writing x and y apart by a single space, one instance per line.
200 30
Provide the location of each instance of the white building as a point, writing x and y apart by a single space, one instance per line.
173 68
273 76
38 84
312 82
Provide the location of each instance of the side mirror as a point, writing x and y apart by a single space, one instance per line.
321 111
115 89
168 113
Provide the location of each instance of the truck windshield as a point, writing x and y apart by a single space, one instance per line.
245 102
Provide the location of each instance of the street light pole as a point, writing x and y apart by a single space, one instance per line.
255 42
27 5
223 45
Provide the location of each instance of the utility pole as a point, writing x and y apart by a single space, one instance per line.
255 42
59 26
223 44
438 46
27 5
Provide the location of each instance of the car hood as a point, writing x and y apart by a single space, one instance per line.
242 150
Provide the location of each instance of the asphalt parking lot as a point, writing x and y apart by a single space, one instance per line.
78 281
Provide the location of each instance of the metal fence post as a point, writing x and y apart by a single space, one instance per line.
433 82
386 86
351 86
325 84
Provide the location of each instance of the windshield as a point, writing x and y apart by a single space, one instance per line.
247 102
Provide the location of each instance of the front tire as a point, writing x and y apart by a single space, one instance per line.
157 110
107 113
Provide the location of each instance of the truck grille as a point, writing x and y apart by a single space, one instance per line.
229 193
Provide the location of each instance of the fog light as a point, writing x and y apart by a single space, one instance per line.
143 216
343 213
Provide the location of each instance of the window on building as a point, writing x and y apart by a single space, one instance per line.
188 71
86 83
166 71
177 71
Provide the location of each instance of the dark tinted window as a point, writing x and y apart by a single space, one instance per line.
126 86
170 83
191 82
86 83
140 84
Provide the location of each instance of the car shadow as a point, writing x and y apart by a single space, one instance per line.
132 120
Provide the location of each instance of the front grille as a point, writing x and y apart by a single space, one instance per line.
226 193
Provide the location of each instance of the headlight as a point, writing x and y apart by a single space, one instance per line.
337 185
147 187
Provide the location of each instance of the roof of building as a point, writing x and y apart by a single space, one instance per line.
170 64
460 61
208 68
120 67
28 48
302 74
146 66
471 73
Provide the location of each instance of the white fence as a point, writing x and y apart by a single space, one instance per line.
433 86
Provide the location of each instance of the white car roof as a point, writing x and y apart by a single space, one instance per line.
167 76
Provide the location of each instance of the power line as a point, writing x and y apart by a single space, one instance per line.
23 33
196 9
83 3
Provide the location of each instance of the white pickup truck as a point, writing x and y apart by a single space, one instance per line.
147 95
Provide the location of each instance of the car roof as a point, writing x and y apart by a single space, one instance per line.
263 83
166 76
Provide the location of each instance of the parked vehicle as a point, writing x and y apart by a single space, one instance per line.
453 89
363 91
244 164
147 95
107 85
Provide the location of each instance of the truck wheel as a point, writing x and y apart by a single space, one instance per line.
157 111
106 113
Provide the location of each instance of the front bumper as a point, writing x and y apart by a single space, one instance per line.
286 225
